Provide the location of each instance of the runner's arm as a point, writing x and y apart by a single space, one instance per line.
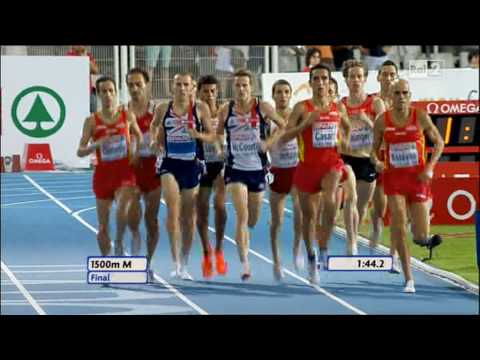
378 107
87 133
433 134
156 128
378 130
295 125
207 135
346 127
272 115
222 115
135 132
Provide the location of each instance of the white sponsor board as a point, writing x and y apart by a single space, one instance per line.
453 84
45 99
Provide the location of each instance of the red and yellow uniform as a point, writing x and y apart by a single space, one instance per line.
317 149
113 169
145 171
405 159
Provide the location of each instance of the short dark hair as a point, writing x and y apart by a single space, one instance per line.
140 71
388 63
281 82
348 64
321 66
207 80
246 73
472 54
105 79
310 53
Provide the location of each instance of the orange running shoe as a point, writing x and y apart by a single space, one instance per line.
207 266
222 265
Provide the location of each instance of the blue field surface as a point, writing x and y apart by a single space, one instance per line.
44 246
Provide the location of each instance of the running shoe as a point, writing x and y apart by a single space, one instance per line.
221 264
409 287
207 266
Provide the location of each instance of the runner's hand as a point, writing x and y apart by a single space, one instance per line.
193 133
262 146
134 159
426 175
379 166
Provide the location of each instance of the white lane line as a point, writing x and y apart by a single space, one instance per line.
316 287
47 194
76 216
22 289
43 266
45 282
87 291
45 200
300 278
446 276
180 295
49 271
286 209
50 187
53 192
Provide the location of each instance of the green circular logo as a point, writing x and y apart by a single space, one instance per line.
38 113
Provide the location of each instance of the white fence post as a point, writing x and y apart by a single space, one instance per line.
116 65
266 59
131 57
123 73
275 59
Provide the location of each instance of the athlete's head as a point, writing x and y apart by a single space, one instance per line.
473 59
320 76
243 84
355 73
281 93
313 57
182 85
387 74
106 90
137 80
333 89
79 49
401 94
208 88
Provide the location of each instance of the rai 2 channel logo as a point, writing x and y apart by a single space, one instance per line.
425 68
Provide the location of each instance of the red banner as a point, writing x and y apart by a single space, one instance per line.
38 157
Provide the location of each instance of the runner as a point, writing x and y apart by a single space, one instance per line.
245 121
362 110
316 121
284 162
387 74
407 172
110 130
176 129
147 181
212 180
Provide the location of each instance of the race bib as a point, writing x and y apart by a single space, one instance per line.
180 144
244 144
285 156
361 138
324 134
403 155
114 148
145 150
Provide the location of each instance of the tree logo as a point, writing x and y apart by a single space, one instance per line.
42 117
